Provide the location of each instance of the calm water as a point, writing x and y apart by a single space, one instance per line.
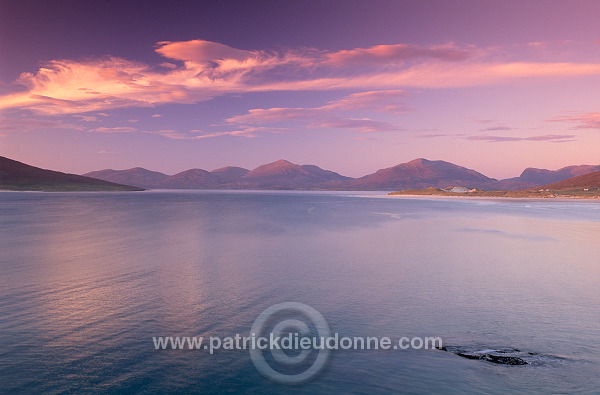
87 279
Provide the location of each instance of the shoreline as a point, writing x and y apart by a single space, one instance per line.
475 197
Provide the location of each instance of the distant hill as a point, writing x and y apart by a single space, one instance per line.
423 173
190 179
137 176
590 180
536 177
229 174
18 176
285 175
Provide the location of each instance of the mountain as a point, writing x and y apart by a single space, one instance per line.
589 180
536 177
190 179
18 176
137 176
286 175
229 174
423 173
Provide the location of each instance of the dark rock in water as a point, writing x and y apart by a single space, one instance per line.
502 356
504 360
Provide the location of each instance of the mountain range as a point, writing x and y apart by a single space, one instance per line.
538 177
282 174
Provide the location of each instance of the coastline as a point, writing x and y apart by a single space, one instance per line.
475 197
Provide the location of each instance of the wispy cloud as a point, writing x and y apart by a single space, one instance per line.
394 54
554 138
588 120
243 131
239 133
363 125
170 134
331 114
26 124
200 70
196 134
495 128
438 135
117 129
383 101
86 118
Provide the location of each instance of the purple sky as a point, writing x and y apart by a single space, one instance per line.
351 86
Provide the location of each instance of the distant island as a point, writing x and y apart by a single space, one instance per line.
586 186
18 176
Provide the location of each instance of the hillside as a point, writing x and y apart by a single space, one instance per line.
189 179
532 177
286 175
586 186
137 176
229 174
423 173
586 181
18 176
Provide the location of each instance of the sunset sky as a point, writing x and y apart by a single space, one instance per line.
350 86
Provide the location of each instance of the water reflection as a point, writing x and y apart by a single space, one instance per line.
88 279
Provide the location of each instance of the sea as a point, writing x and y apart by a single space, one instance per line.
90 280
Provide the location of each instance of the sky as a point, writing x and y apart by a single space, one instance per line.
350 86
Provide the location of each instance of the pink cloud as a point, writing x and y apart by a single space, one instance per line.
239 133
363 125
396 53
589 120
243 131
200 51
328 116
207 69
270 115
384 101
86 118
119 129
372 100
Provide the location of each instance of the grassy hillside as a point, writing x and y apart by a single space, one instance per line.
17 176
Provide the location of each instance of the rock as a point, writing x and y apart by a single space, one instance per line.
502 356
504 360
